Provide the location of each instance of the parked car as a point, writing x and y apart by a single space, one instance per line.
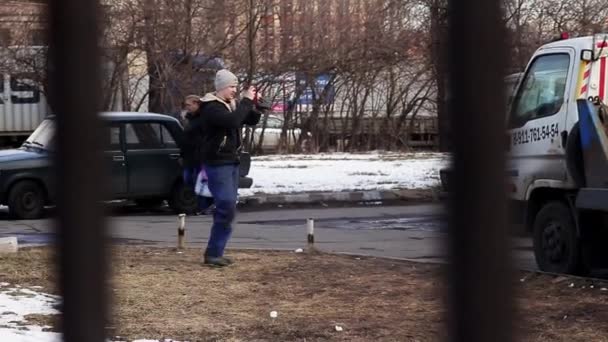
142 158
272 134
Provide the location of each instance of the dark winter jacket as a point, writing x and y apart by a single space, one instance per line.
192 139
220 125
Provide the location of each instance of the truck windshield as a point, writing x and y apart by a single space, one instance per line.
542 92
43 136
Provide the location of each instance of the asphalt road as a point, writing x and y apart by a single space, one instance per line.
416 232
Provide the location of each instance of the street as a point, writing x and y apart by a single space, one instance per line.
415 232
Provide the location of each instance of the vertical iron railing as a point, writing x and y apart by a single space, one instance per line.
479 274
74 94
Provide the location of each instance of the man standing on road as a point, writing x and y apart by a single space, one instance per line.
221 122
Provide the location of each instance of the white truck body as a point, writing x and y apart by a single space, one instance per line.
555 78
548 166
22 106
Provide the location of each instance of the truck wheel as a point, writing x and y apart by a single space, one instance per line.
183 199
26 200
556 245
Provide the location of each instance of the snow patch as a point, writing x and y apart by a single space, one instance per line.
344 172
15 304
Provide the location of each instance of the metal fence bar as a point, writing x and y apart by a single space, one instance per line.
75 84
479 276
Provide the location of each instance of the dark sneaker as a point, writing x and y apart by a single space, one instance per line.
207 211
210 210
216 261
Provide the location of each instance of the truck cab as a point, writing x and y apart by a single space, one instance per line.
546 166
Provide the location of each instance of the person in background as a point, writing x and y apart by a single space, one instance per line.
191 162
191 109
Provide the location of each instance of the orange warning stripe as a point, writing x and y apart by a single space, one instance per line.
583 79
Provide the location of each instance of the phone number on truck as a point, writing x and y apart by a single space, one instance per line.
534 134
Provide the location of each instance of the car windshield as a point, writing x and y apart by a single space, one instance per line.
43 136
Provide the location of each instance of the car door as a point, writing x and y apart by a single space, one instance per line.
538 116
116 160
152 159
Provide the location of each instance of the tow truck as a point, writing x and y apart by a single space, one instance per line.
557 168
558 153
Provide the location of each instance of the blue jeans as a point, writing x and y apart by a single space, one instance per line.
224 185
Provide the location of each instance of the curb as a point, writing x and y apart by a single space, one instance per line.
427 195
438 261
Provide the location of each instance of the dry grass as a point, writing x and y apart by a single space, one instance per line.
172 295
159 293
29 267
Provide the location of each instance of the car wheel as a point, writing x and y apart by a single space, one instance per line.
26 200
183 199
556 245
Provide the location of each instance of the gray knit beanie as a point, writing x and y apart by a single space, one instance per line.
224 79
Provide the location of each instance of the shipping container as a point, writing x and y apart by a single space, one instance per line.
23 106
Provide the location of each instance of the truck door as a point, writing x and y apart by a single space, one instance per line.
537 117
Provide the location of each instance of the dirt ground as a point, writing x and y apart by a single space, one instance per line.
160 293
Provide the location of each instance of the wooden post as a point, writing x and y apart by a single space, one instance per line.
310 227
181 231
